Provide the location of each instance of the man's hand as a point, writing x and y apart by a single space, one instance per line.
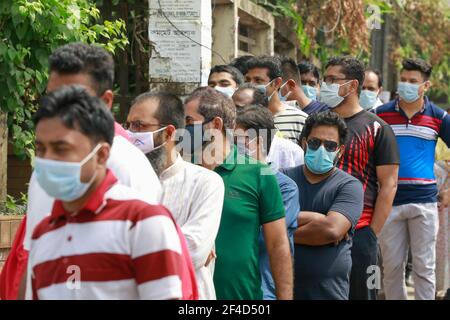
444 199
211 256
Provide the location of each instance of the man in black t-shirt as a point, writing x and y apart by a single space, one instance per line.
371 155
332 201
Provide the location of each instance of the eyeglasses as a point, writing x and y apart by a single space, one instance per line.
315 143
139 126
330 79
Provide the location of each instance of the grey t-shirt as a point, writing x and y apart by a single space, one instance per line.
323 272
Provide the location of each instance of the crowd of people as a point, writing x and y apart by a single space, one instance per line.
272 182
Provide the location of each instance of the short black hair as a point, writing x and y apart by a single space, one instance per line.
214 104
417 64
240 63
170 108
290 70
272 64
259 119
78 110
378 74
326 118
352 68
258 97
307 67
78 57
235 73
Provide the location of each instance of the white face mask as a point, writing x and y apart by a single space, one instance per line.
144 141
329 94
228 91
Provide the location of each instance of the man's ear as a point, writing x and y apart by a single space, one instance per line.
218 123
171 132
354 86
103 154
341 151
108 98
277 82
427 85
303 144
291 84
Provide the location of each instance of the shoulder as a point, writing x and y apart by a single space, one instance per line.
387 107
131 205
294 173
203 175
286 183
435 111
342 178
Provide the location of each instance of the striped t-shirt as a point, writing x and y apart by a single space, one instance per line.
290 122
116 247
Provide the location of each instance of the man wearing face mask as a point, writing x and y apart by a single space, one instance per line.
332 201
256 132
413 223
308 99
92 67
194 195
266 73
252 200
371 89
370 155
123 247
225 79
310 79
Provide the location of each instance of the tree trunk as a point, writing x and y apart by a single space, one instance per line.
3 155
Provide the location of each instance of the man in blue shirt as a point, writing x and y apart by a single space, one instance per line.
413 223
254 133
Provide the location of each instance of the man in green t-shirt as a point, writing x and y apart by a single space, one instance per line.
252 199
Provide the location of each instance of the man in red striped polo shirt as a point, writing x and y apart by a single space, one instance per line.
102 240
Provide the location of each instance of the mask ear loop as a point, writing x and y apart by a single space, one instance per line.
162 144
91 154
344 85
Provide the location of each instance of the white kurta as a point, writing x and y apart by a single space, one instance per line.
194 195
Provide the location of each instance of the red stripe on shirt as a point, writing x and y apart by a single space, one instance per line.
92 267
157 265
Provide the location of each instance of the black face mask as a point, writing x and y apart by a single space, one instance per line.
194 137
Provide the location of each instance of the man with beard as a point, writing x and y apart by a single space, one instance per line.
193 194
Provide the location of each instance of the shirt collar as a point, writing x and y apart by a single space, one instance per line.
230 162
176 167
95 202
425 104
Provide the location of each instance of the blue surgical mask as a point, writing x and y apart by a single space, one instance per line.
329 94
320 161
367 99
283 98
228 91
244 150
61 179
408 92
310 92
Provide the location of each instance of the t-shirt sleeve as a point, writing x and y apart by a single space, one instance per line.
386 149
291 201
270 200
444 132
156 256
315 106
349 201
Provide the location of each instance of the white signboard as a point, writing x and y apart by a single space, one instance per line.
175 57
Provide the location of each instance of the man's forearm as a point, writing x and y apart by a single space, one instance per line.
383 207
281 265
314 233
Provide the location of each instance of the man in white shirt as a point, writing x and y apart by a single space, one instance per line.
194 195
93 68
